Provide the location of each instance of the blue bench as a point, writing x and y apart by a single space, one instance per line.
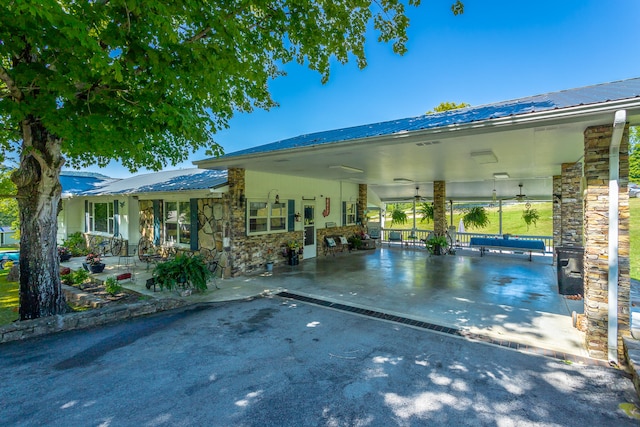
513 245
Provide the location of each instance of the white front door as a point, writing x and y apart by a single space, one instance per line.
310 250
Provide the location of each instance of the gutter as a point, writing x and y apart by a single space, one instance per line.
619 123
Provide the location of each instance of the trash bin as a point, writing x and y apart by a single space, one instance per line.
570 269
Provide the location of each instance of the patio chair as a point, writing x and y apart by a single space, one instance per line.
395 236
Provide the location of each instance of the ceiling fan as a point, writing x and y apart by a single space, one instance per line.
417 197
520 197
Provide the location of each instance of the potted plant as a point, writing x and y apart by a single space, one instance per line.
292 252
530 216
426 212
269 263
355 241
398 216
93 263
182 271
64 253
436 243
476 217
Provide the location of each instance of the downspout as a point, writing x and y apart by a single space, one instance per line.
619 123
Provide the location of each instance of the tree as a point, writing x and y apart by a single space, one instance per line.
147 83
446 106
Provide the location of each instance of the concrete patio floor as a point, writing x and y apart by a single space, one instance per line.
501 296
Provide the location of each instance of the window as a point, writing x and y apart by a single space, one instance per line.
101 217
177 222
349 213
266 218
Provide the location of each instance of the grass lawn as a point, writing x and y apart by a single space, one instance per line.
512 221
8 299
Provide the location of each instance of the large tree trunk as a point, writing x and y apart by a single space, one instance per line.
39 193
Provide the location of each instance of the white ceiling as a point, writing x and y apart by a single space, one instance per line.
531 149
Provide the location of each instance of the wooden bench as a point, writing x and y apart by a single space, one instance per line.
512 245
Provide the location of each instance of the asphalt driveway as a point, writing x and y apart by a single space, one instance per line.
276 362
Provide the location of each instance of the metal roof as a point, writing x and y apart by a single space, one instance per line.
77 182
171 180
588 95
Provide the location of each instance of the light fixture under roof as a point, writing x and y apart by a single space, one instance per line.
484 157
346 168
401 180
500 175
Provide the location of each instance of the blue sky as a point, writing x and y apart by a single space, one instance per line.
496 51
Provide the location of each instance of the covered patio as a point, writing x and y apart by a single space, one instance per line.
501 299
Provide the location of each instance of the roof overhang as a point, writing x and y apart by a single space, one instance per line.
529 147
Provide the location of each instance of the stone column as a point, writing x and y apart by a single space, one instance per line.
557 211
596 228
236 229
571 205
439 207
362 201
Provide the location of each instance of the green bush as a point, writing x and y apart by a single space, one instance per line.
182 271
112 286
76 244
80 276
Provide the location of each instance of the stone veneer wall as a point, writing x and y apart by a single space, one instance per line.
439 207
557 212
346 231
571 205
146 219
596 226
249 254
362 200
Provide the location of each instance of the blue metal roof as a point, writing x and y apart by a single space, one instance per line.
172 180
77 182
619 90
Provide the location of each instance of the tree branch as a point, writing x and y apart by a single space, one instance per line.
13 89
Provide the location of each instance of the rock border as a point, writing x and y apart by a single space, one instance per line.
25 329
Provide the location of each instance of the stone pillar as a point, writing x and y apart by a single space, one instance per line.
571 205
596 228
439 207
557 211
236 231
362 201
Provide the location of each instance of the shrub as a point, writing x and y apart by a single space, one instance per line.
112 286
182 271
76 244
79 276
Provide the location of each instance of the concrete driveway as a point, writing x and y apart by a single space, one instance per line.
500 297
277 362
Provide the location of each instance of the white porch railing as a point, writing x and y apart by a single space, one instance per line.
462 239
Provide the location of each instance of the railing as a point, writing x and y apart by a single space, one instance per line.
462 239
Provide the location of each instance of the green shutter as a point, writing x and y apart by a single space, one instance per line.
344 213
157 221
194 224
116 218
291 215
86 216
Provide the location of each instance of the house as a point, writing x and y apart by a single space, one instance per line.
179 207
569 146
